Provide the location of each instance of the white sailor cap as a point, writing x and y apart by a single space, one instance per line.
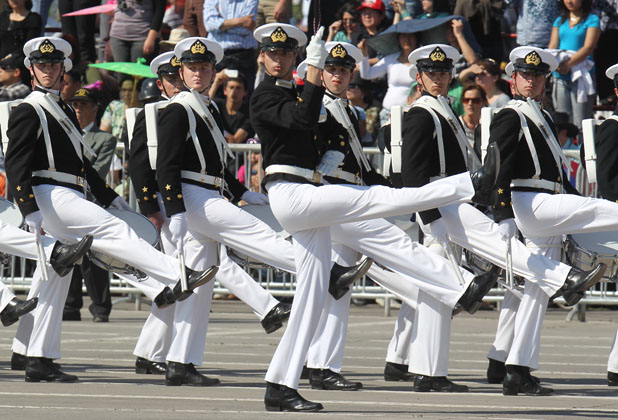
612 72
413 72
434 57
532 59
342 54
198 49
279 36
301 69
47 49
165 63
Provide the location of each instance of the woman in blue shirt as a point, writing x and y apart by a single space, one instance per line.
576 30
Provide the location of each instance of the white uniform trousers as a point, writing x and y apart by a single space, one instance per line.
328 343
399 347
6 295
473 230
39 331
310 213
68 216
505 332
612 362
543 219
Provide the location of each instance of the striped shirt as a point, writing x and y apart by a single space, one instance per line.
217 11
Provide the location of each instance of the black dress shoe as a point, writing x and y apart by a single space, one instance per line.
64 257
495 371
275 318
282 398
195 279
578 282
16 308
305 373
485 178
477 289
518 380
612 378
424 383
329 380
397 372
19 362
42 369
145 366
341 278
186 374
165 298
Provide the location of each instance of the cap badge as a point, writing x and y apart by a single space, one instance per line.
279 35
437 55
338 51
81 92
198 47
47 47
175 62
532 58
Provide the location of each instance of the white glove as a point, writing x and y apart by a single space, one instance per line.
330 161
507 229
178 227
251 197
34 221
120 204
438 231
316 52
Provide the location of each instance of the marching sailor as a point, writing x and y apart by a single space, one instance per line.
606 152
286 122
48 174
535 196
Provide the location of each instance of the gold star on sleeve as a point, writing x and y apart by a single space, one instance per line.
145 189
18 188
168 187
500 190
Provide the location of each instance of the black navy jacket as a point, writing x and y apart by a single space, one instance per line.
26 152
419 153
606 149
516 160
176 152
143 177
287 125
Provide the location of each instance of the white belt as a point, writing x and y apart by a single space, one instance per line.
308 174
61 177
543 184
203 178
347 176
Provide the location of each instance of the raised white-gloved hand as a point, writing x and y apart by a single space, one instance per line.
178 227
251 197
507 229
120 204
34 221
438 231
316 51
330 161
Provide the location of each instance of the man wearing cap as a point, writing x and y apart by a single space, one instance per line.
286 122
606 151
190 320
532 196
46 161
433 146
12 76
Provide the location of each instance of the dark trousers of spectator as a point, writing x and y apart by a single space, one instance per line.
128 52
243 60
97 287
81 27
192 19
606 55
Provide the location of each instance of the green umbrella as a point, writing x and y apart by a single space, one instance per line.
138 69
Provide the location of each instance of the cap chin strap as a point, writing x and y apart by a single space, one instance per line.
54 91
201 92
538 99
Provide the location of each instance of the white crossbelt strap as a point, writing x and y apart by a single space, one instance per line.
487 114
339 111
5 112
396 138
130 115
437 132
590 153
151 115
515 106
47 101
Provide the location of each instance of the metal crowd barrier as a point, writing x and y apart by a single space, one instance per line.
278 283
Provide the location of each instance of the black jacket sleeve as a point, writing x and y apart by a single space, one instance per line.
142 176
504 131
606 145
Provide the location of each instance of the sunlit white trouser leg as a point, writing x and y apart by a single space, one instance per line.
531 312
18 242
501 346
328 344
306 211
6 295
68 217
612 362
39 332
399 347
473 230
